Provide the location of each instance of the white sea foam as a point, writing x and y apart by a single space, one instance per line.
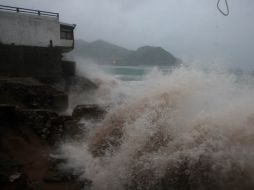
189 129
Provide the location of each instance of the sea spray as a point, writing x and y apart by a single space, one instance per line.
190 129
110 90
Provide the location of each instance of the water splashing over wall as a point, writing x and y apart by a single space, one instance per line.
191 129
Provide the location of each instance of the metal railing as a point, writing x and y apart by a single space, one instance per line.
28 11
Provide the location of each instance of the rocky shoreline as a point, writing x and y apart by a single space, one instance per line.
31 127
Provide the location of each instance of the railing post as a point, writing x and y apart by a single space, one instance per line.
30 11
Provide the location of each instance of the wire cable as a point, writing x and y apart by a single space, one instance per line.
225 13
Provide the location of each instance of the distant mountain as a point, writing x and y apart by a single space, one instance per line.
106 53
149 55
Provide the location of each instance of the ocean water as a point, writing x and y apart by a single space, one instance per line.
186 128
132 73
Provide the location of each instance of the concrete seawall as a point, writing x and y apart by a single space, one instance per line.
30 61
33 61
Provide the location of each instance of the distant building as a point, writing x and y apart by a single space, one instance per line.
32 42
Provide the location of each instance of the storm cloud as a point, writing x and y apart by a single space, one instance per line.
190 29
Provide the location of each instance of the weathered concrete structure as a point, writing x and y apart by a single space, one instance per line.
32 43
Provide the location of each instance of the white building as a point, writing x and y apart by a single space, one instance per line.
32 43
27 27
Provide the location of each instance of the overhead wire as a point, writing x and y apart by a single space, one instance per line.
225 13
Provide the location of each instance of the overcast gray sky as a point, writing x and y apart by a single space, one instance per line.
187 28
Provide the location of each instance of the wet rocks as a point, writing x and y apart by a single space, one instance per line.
11 174
56 174
55 177
40 120
71 127
30 93
32 127
89 111
7 115
48 125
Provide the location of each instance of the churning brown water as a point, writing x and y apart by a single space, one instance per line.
190 129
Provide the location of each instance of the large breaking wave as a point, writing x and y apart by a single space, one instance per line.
189 129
